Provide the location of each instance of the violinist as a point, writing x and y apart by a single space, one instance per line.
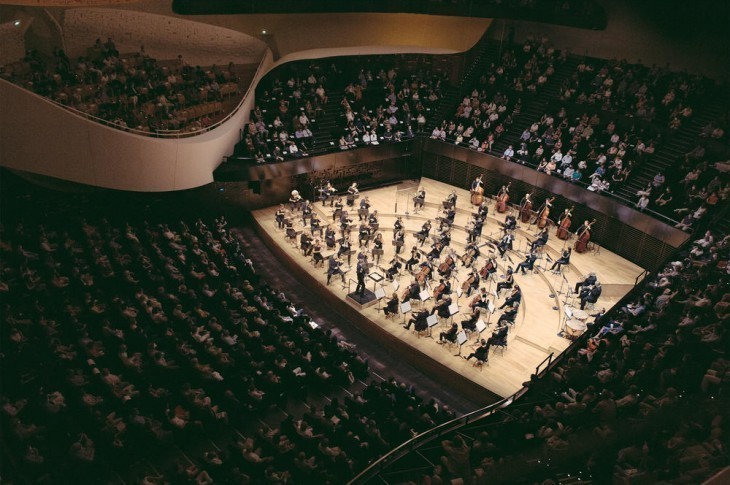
305 243
279 217
514 298
449 335
364 208
378 247
422 235
420 199
419 321
345 249
509 280
317 251
289 229
564 222
450 215
306 211
334 269
415 258
329 237
471 284
352 193
442 307
470 254
294 200
505 244
364 235
327 193
526 208
541 240
443 288
470 324
399 239
392 306
394 268
508 316
373 220
436 249
412 291
398 224
564 259
344 222
445 238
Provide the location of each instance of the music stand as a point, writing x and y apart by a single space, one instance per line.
490 310
395 285
377 278
405 307
379 293
461 338
431 321
424 295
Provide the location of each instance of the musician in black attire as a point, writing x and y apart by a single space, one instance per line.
436 249
498 336
470 323
450 216
505 244
395 267
373 220
419 319
474 285
589 280
314 225
508 316
564 259
334 269
338 207
509 280
280 217
392 306
305 243
471 253
515 297
306 211
483 210
415 258
590 295
442 307
528 263
345 249
541 240
422 235
364 235
450 200
420 199
480 352
317 251
361 271
364 207
399 239
378 247
329 237
449 335
510 223
445 238
398 224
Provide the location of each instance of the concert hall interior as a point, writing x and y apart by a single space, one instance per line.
393 241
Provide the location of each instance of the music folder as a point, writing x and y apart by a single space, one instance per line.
453 309
405 307
379 292
432 320
424 295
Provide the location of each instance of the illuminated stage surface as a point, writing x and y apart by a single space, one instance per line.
536 331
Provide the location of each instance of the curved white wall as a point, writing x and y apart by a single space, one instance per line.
40 137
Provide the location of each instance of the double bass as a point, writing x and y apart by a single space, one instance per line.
477 191
584 236
503 198
563 231
526 209
544 213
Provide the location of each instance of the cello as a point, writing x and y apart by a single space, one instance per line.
468 257
489 267
445 268
563 231
584 236
469 282
424 274
503 198
542 216
526 209
439 291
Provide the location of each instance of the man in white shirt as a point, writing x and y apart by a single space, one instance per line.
508 153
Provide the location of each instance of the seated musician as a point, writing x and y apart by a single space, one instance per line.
364 207
445 238
398 224
422 235
344 249
427 267
564 259
305 243
413 291
279 217
436 249
314 225
449 335
473 283
364 235
420 199
392 306
442 307
470 324
337 208
528 263
419 320
589 280
399 239
327 193
481 352
344 221
505 244
541 240
394 268
446 271
479 301
289 229
450 216
415 258
378 247
510 223
483 210
509 280
334 269
470 254
329 237
294 200
499 336
450 201
444 286
317 251
490 267
514 298
508 316
306 211
590 296
373 220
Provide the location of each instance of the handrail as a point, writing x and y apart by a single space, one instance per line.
547 359
159 133
640 276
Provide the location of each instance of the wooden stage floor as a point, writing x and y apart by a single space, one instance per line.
536 331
